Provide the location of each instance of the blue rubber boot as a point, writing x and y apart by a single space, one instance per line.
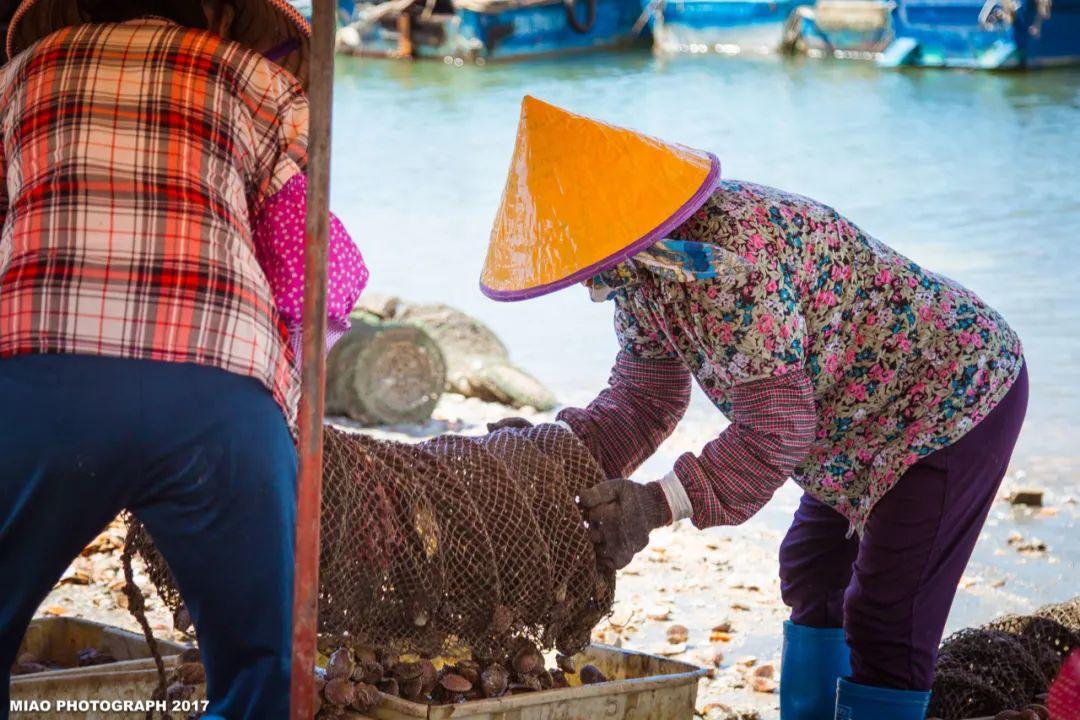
866 702
812 661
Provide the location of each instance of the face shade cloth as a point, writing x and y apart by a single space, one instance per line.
682 261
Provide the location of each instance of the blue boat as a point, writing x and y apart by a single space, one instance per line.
724 26
482 30
841 28
984 34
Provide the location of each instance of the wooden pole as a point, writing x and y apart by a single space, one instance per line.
404 27
310 418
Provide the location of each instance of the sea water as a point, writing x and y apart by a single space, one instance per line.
974 175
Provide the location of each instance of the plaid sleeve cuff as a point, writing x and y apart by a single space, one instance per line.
335 330
771 432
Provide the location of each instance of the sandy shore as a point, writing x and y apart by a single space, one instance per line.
710 597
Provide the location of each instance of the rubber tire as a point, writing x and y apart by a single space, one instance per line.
571 16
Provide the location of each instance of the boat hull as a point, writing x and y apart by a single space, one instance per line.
693 26
843 28
535 29
971 34
546 30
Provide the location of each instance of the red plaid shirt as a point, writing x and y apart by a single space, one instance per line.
134 157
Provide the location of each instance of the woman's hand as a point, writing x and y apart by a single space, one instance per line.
621 514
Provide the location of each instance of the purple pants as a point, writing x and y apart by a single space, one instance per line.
891 589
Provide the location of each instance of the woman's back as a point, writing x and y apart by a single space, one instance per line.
135 156
903 361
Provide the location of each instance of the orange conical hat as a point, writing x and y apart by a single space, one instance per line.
582 196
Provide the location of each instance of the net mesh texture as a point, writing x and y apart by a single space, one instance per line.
1005 664
455 542
477 542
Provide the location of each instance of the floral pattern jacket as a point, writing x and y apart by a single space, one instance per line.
903 361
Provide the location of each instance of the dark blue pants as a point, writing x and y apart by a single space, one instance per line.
202 457
891 589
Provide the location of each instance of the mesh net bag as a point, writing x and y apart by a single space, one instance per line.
455 541
1005 664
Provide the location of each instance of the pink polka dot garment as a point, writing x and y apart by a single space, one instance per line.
279 247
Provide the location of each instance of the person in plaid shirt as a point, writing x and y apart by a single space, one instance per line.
890 394
153 158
